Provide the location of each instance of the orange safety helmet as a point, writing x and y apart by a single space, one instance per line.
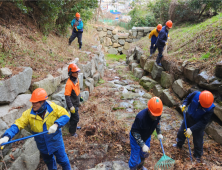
206 99
169 24
155 106
73 68
38 95
77 14
159 27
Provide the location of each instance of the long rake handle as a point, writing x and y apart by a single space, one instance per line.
184 115
27 137
162 147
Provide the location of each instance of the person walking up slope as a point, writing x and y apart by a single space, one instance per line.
200 110
145 123
153 36
77 26
162 39
44 115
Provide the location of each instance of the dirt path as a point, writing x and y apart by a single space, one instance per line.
106 119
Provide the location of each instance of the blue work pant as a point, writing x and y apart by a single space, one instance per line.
61 158
136 152
74 35
197 136
160 55
152 48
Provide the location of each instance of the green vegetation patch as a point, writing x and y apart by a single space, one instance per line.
116 57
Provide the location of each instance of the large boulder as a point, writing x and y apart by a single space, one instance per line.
115 45
128 96
147 83
50 84
109 32
60 97
80 77
112 51
84 95
139 53
157 90
167 98
138 73
123 35
179 88
143 60
9 113
120 49
149 65
99 28
215 85
5 72
89 82
121 41
218 70
126 46
85 69
27 157
203 77
115 165
215 131
166 64
131 62
130 58
129 40
166 79
102 34
115 31
134 33
15 85
133 66
156 71
218 111
96 78
115 37
107 42
190 72
93 68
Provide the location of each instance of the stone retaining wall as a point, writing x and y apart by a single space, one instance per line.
16 93
174 81
117 41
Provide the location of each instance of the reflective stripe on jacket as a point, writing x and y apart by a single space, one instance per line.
46 143
72 93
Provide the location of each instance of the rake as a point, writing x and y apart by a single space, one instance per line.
165 162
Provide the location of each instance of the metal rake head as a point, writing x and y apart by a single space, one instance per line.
164 163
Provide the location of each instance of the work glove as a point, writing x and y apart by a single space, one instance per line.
188 133
81 99
72 109
160 137
53 128
4 140
182 107
145 148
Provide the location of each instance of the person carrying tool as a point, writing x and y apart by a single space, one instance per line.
162 39
145 123
200 110
73 97
77 26
42 116
153 36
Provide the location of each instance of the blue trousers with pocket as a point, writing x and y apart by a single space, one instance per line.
74 35
197 136
61 158
152 48
136 152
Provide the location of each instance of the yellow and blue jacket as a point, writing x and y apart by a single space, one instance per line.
153 36
46 143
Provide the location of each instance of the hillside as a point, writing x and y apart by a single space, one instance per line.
23 44
199 43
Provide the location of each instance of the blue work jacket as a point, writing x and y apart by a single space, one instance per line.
79 26
199 114
162 37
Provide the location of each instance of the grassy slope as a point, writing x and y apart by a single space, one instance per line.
200 43
24 45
